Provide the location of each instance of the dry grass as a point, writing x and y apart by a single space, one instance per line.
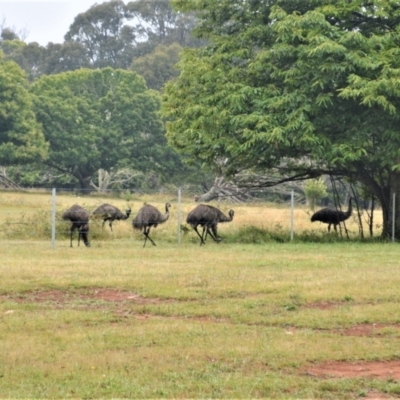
27 216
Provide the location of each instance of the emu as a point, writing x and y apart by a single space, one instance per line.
110 213
147 217
208 217
332 216
80 220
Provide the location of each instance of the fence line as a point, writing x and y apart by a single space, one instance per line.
39 220
394 217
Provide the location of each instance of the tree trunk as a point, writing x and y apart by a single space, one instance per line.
212 194
84 182
225 190
388 210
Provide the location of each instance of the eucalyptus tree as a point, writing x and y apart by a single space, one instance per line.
305 86
28 56
63 57
157 22
104 30
158 67
99 119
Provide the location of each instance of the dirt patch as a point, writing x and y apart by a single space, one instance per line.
374 395
342 369
90 299
370 329
357 330
63 297
321 305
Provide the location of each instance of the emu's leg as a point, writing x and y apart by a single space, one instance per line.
79 235
73 226
206 232
145 236
214 233
200 236
335 227
329 228
110 223
145 239
204 235
146 233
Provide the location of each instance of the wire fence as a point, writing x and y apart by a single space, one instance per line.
37 214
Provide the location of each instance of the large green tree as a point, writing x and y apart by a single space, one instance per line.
21 137
305 86
99 119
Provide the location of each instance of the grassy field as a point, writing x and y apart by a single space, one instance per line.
234 320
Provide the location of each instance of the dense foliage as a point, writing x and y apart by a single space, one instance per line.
132 36
110 34
308 86
21 138
99 119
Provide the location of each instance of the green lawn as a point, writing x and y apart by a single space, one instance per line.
218 321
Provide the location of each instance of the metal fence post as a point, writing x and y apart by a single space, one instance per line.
179 216
394 216
53 219
292 216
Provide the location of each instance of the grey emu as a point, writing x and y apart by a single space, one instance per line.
147 217
111 213
80 220
208 217
332 216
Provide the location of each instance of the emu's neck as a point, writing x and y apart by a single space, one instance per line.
350 210
166 215
225 218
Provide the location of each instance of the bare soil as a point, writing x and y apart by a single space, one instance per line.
322 305
62 297
369 329
343 369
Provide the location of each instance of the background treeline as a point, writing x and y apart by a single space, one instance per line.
142 36
92 102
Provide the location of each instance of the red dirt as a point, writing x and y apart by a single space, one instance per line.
343 369
374 395
61 297
369 329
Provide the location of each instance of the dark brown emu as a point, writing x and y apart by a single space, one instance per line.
332 216
111 213
147 217
208 217
80 220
